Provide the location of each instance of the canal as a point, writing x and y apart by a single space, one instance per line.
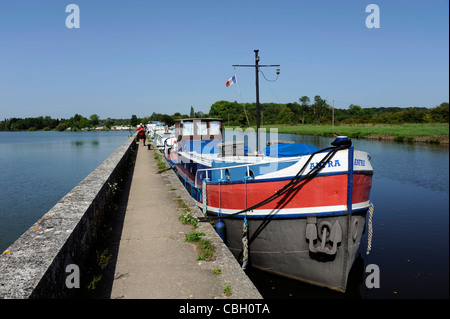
410 193
39 168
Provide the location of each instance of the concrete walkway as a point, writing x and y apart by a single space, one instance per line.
153 259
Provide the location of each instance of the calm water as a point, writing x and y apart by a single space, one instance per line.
410 241
410 192
38 168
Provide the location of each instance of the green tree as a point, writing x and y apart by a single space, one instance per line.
95 121
109 123
219 109
319 108
286 116
440 113
84 123
74 122
355 110
192 114
62 126
134 120
199 114
304 107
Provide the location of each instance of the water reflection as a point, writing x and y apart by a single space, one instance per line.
83 142
39 168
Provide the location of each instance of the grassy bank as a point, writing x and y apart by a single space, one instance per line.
423 133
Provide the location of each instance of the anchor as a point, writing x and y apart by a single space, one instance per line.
324 233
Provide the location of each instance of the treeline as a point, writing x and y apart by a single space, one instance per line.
170 119
75 123
318 111
79 122
306 111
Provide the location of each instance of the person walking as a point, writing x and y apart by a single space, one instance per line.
141 135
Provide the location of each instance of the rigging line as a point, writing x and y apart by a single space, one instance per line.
270 87
240 95
239 87
247 58
294 181
273 93
267 78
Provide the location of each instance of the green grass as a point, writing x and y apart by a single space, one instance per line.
365 130
227 289
160 161
432 133
204 246
194 236
188 219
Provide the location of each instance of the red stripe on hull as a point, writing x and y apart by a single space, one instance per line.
362 184
319 191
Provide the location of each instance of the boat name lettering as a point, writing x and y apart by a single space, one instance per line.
360 162
334 163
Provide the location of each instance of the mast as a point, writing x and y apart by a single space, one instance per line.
257 66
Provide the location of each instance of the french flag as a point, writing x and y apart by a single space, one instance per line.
231 81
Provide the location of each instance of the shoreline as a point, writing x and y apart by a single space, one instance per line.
436 139
436 134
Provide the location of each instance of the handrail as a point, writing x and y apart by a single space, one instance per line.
296 158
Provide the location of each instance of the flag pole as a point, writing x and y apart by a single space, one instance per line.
242 99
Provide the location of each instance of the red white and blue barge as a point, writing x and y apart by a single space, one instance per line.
292 209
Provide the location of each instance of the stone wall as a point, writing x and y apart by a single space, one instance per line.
34 266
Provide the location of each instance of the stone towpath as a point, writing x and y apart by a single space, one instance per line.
153 259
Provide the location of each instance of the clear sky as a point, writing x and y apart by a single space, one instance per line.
144 56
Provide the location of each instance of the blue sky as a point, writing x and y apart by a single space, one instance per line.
139 57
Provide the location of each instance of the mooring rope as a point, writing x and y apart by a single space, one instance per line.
298 178
245 246
370 230
292 183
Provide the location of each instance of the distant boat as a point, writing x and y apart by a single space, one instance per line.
292 210
155 127
162 139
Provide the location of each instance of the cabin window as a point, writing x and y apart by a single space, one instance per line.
250 174
202 129
188 128
227 174
214 127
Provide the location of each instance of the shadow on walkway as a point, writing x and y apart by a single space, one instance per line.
113 231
